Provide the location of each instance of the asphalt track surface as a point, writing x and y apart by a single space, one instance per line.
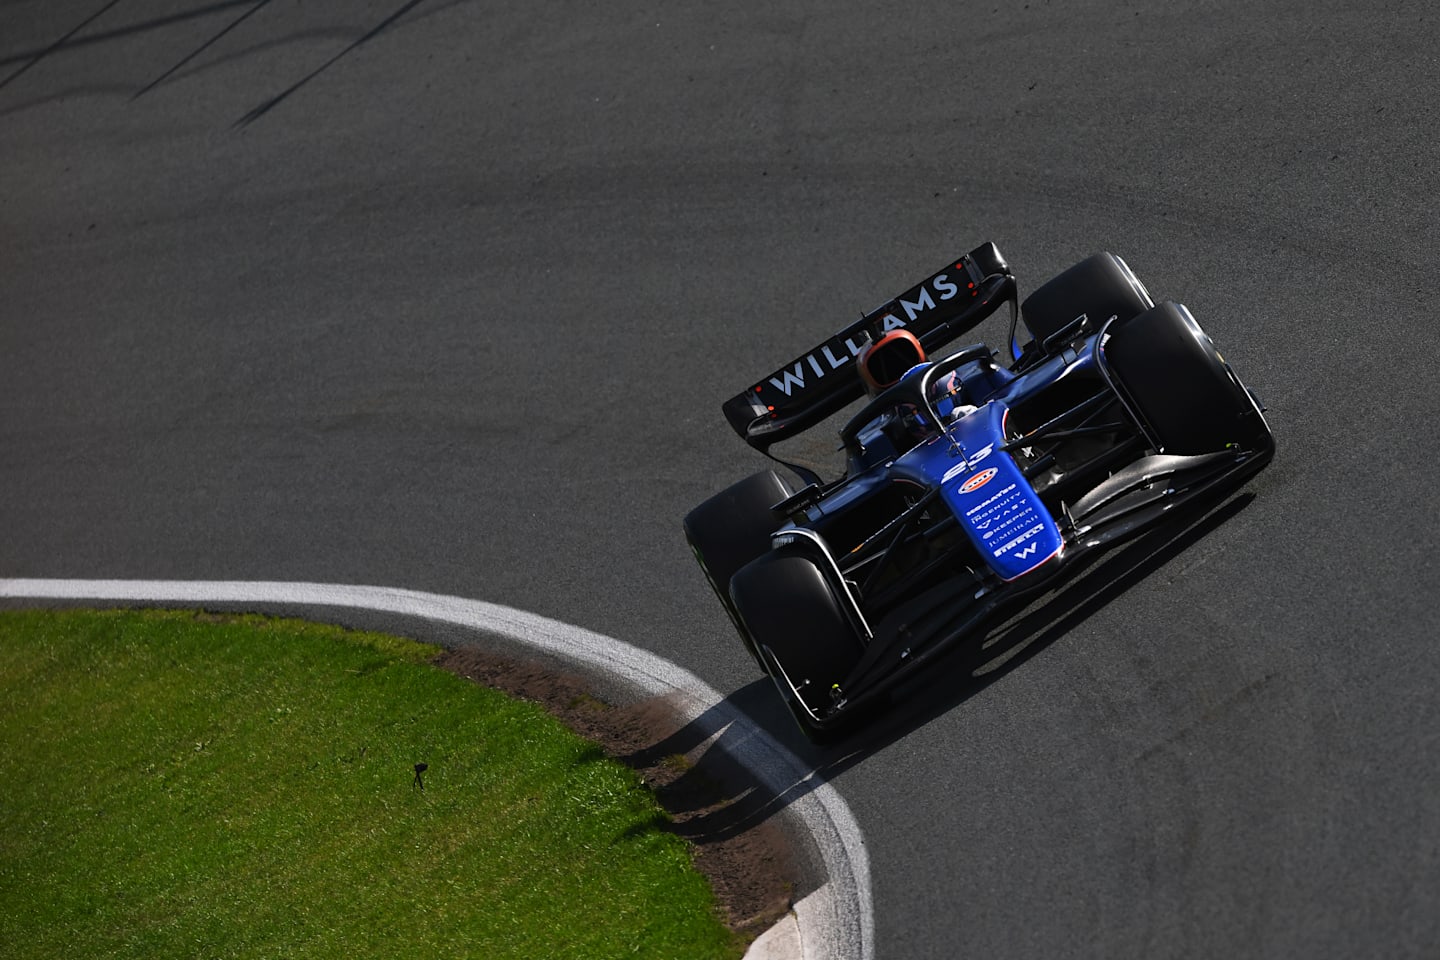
446 296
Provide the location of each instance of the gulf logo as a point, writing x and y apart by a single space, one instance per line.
978 481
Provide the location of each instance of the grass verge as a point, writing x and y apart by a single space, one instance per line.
175 784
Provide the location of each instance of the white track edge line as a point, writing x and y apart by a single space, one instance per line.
838 919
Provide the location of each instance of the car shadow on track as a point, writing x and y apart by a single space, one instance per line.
975 665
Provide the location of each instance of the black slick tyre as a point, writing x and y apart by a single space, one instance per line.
1186 395
732 528
798 619
1099 287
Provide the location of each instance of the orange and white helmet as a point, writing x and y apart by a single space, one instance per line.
883 362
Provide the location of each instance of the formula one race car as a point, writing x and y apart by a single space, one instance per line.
969 483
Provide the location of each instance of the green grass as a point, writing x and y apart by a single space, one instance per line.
177 785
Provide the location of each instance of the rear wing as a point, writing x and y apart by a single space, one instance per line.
818 383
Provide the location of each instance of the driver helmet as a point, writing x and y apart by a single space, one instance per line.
883 362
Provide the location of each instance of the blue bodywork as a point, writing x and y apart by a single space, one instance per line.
995 504
969 485
985 489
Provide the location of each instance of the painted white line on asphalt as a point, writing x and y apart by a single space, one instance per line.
836 921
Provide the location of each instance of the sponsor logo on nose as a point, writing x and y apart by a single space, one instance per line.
978 481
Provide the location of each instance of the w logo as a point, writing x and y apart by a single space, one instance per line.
1022 554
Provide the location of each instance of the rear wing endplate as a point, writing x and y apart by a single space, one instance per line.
818 383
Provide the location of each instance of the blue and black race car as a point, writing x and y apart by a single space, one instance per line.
972 480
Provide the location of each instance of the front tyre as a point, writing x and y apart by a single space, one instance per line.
797 617
731 529
1188 399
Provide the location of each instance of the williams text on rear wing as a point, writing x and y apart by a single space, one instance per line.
822 381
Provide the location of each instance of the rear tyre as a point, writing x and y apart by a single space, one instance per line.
731 529
1190 400
796 615
1100 286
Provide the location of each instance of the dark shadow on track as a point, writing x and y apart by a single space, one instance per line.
200 49
969 669
275 101
69 41
36 56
